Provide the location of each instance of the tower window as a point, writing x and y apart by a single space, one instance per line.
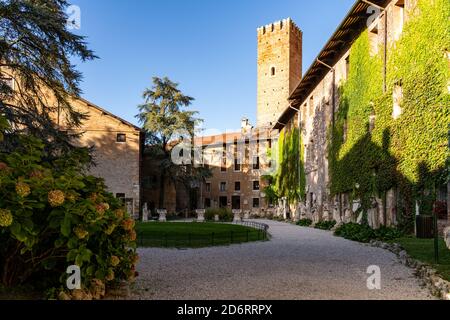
272 71
121 138
347 67
311 106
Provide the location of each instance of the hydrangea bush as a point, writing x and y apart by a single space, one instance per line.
53 216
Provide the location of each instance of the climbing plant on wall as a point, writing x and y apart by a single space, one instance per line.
289 180
370 151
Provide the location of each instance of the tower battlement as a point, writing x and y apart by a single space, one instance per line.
281 25
279 68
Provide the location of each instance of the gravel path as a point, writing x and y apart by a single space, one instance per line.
298 263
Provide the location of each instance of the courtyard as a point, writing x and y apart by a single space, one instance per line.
297 264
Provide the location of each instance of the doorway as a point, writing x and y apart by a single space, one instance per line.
236 203
223 202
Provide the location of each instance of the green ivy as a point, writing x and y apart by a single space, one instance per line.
290 180
411 152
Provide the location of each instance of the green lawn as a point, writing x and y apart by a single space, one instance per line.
194 235
423 250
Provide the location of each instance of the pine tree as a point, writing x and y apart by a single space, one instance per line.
36 49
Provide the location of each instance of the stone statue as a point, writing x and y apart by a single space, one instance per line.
145 213
200 215
447 236
237 215
162 215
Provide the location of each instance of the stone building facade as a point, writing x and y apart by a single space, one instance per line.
117 144
315 102
117 150
238 161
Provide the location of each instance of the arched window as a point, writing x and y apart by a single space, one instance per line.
272 71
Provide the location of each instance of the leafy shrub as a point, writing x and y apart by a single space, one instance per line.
388 234
305 223
364 233
53 216
269 216
225 214
325 225
356 232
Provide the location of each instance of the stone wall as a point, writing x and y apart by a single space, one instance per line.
279 68
118 163
246 175
316 114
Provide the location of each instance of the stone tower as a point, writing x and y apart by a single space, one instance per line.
279 68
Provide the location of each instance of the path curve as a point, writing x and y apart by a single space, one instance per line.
297 264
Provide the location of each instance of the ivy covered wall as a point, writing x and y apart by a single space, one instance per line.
289 179
371 152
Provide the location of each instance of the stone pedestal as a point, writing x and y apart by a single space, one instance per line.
162 215
200 215
447 236
247 215
216 218
237 215
145 213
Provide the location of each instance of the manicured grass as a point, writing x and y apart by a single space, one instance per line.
423 250
194 235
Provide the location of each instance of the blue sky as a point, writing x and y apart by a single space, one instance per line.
208 46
